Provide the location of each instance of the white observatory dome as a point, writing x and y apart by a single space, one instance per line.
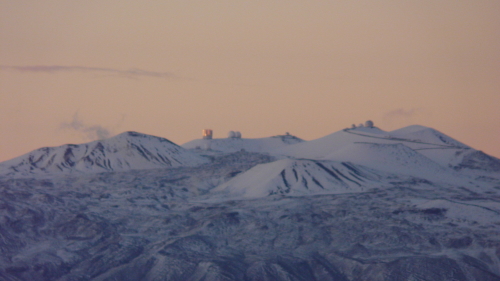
231 134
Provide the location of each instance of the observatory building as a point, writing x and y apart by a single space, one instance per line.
234 135
207 134
368 124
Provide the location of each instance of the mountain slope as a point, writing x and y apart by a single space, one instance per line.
241 216
396 158
476 160
415 137
418 133
127 151
318 148
423 141
300 177
146 225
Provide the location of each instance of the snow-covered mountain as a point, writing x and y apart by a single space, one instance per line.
425 135
237 144
407 147
359 204
414 137
301 177
126 151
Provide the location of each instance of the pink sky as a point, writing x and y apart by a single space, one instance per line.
74 71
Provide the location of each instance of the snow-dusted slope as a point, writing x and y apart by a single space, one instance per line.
300 177
318 148
484 212
475 160
415 137
237 144
446 150
422 134
396 158
347 145
149 225
129 150
243 217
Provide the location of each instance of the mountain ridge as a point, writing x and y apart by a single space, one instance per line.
261 145
128 150
133 150
367 206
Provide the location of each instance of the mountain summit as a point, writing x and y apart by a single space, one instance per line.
230 144
126 151
373 147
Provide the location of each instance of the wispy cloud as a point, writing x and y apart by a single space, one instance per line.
404 117
129 73
90 132
402 113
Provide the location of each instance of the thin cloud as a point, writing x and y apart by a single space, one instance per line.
403 117
402 113
94 132
131 73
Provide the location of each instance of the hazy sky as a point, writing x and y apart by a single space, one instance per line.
75 71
